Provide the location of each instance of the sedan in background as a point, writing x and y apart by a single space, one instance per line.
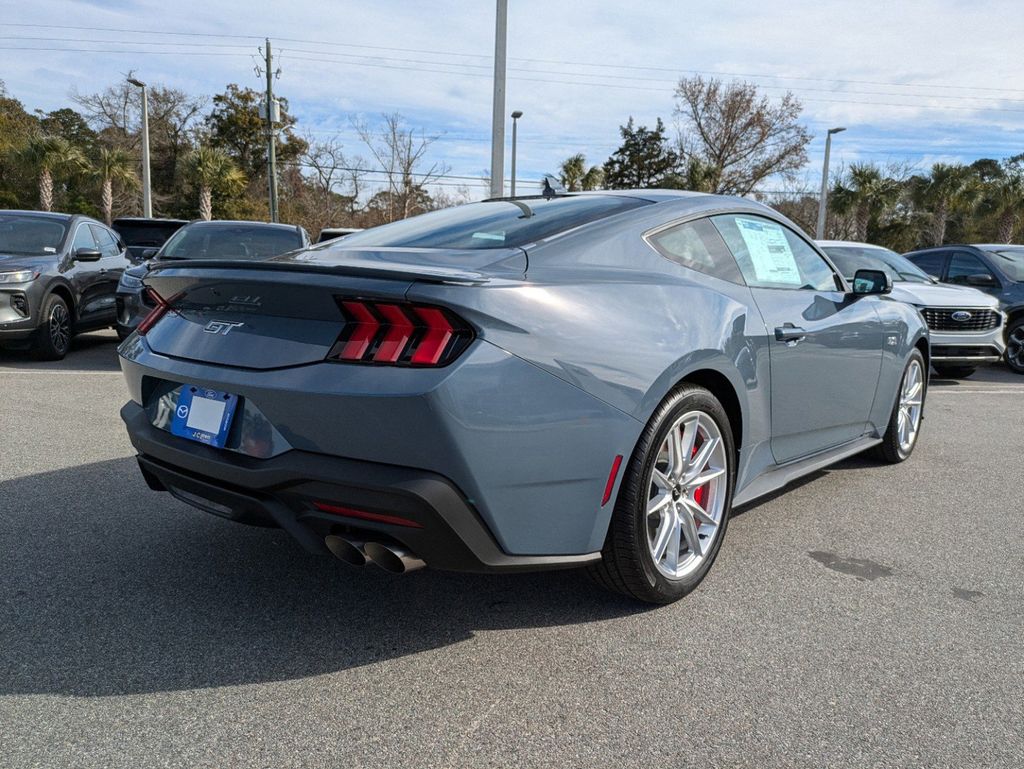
966 326
996 269
592 380
203 240
141 235
58 275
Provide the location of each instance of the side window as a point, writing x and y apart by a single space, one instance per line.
106 241
83 238
697 245
963 265
931 263
773 256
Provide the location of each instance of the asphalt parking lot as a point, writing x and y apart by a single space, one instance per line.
869 616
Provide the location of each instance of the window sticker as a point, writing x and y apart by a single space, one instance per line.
770 253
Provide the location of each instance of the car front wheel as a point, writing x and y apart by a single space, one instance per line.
54 337
1015 346
905 422
674 500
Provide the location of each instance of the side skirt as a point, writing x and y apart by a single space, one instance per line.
775 479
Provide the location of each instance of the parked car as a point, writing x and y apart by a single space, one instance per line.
332 233
591 380
203 240
58 275
993 268
141 234
966 326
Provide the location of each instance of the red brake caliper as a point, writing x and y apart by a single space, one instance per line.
700 494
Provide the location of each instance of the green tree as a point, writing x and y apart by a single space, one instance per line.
644 159
112 166
208 170
1003 201
50 156
865 194
17 127
576 176
948 189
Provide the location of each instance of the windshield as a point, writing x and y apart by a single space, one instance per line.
1010 261
31 235
146 234
492 224
230 241
849 259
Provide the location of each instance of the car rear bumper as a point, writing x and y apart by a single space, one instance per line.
439 524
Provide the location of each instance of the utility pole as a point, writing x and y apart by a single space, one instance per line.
498 110
271 108
823 200
147 193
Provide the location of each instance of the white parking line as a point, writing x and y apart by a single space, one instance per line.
958 391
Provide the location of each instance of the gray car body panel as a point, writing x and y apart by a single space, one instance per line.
578 338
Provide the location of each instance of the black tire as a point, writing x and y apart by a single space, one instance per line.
627 565
954 372
890 450
1015 346
53 340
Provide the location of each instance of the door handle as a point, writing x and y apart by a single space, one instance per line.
790 334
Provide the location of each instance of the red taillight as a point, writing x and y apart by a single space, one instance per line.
396 334
366 515
159 310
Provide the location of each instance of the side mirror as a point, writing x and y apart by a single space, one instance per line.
149 253
88 255
866 282
982 279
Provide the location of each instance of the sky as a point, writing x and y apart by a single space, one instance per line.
913 82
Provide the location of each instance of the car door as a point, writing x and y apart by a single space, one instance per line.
111 266
86 277
825 347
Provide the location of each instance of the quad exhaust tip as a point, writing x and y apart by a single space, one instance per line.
394 559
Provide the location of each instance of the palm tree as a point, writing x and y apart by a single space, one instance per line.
210 169
1004 200
575 176
50 155
947 189
113 165
866 194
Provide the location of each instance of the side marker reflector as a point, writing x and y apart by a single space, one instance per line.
616 463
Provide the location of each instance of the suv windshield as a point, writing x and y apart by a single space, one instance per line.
31 235
230 241
492 224
1010 260
849 259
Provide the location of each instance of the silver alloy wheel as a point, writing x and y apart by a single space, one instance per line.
60 328
908 419
687 493
1015 348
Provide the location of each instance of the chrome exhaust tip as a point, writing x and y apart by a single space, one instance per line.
348 550
392 558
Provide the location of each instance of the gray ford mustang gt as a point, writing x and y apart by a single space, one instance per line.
590 380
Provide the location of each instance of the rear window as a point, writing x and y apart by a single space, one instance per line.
230 241
146 234
493 224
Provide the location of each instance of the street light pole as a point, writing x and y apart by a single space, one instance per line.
515 120
823 200
498 105
147 195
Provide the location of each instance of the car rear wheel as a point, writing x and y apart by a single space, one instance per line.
905 423
674 500
54 337
1015 346
954 372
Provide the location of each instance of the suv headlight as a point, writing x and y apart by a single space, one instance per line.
18 276
129 281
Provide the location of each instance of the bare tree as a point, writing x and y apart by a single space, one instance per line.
739 135
335 182
401 154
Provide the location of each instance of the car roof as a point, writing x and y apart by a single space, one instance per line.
857 243
994 246
242 222
45 214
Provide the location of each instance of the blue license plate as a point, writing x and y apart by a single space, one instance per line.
204 415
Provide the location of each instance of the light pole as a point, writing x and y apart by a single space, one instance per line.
515 121
498 105
823 200
147 197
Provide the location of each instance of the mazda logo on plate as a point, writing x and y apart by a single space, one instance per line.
962 316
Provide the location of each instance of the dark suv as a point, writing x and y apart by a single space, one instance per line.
58 276
141 234
995 269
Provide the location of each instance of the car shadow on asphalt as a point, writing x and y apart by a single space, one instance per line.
96 351
107 588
